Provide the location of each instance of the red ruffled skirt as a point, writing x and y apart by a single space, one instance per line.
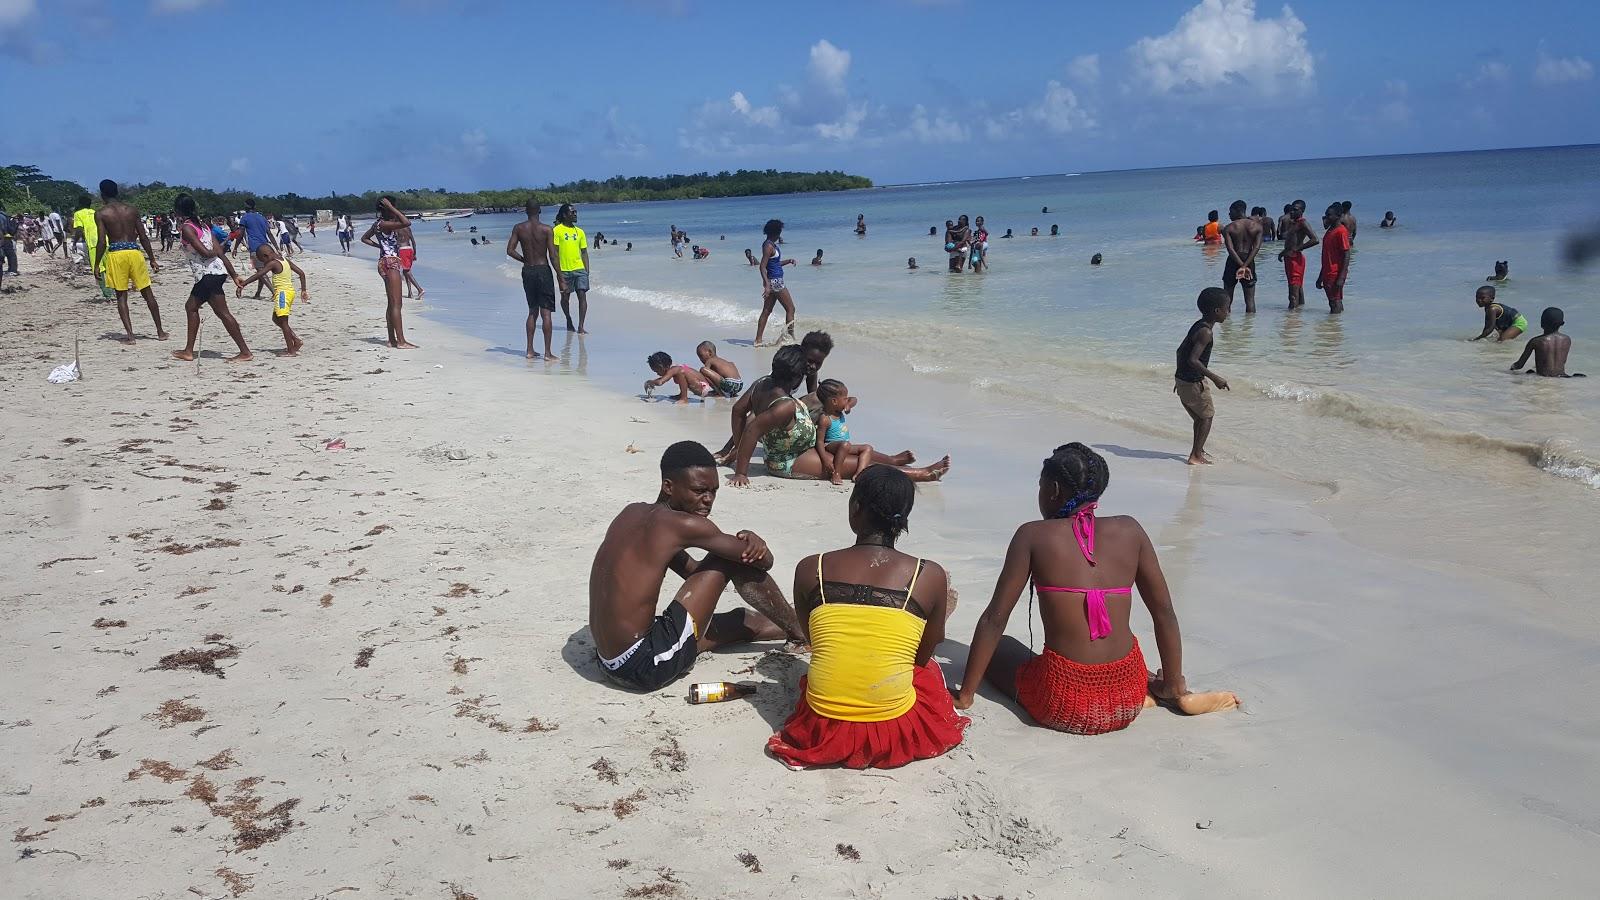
1083 699
930 728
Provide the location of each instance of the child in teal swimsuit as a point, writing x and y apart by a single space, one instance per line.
833 432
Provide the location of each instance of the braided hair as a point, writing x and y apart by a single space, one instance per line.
884 494
1081 473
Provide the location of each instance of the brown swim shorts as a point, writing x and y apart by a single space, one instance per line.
1196 397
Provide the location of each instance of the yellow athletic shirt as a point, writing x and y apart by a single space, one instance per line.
570 244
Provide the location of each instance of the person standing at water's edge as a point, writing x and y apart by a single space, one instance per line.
121 235
532 244
1194 361
773 290
572 247
381 236
1242 238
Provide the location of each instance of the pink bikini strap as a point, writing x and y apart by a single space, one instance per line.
1083 530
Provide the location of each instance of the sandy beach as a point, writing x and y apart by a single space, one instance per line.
246 665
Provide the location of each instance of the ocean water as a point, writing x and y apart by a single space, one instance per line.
1389 408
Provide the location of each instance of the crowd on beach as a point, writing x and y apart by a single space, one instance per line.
870 615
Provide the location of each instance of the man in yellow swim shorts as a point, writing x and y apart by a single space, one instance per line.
118 256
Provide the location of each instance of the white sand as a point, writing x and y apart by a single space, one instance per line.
1406 732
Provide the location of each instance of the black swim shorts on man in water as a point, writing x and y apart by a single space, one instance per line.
539 286
664 654
1230 274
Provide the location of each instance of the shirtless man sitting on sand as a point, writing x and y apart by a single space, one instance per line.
640 650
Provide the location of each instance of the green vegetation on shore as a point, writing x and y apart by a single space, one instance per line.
157 197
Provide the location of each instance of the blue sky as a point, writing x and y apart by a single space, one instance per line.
350 95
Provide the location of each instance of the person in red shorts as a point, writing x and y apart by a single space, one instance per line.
1091 676
1335 258
1297 237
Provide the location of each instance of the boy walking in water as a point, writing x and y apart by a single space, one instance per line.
1549 350
1335 258
531 244
120 235
1242 239
1194 359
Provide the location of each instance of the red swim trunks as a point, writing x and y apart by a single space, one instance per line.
1295 268
408 255
1083 699
1331 286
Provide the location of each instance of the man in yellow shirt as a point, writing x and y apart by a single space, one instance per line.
572 248
86 234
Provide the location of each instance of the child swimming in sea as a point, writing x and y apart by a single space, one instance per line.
1549 350
722 375
686 378
1504 322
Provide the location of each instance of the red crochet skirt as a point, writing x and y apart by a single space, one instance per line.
928 729
1083 699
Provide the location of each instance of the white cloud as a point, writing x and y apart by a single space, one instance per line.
846 127
178 6
829 65
1221 43
1561 70
1085 68
622 139
1492 72
939 129
240 165
1059 111
766 116
14 12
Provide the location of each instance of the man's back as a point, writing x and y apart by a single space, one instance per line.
1245 235
534 239
120 222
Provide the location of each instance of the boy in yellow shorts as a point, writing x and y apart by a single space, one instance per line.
282 271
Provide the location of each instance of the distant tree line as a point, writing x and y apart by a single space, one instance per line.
26 189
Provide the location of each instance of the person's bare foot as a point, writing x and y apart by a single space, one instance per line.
903 458
420 292
1198 704
1198 459
243 356
406 345
683 402
583 331
162 335
532 355
125 338
551 357
185 355
938 469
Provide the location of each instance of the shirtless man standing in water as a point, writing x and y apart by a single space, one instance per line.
1242 238
530 244
121 263
1297 237
642 651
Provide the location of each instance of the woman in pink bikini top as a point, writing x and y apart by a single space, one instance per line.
1090 675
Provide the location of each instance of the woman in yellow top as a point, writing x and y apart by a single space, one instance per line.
874 697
